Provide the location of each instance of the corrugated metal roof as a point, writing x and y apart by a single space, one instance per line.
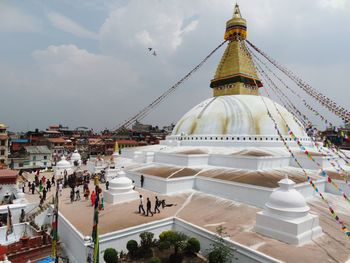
19 140
37 149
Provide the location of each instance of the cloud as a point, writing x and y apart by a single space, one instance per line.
66 24
67 84
147 22
13 19
334 4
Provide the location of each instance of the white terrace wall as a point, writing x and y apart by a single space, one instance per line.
249 194
206 238
181 159
343 185
72 241
77 249
251 163
254 195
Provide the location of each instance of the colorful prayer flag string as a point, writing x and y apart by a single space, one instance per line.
334 215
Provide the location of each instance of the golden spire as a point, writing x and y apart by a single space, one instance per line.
236 72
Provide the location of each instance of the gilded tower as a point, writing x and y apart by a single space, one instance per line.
236 73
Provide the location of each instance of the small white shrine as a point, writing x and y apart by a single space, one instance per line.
63 165
75 158
121 189
286 216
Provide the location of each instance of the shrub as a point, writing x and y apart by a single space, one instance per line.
132 247
146 240
193 245
220 252
110 255
164 245
177 239
155 260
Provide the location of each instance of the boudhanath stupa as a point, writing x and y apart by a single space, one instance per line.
238 160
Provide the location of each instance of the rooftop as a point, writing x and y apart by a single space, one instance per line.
208 212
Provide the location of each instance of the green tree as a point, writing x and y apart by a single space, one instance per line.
193 245
146 244
220 252
132 246
176 239
110 255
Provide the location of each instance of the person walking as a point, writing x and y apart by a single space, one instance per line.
157 205
87 193
53 180
77 194
141 205
48 185
107 185
148 205
29 186
60 187
41 187
72 195
33 188
93 198
142 179
44 193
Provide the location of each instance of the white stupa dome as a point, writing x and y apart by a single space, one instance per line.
121 183
237 115
121 189
75 156
63 163
286 201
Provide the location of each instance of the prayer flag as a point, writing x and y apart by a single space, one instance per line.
95 231
9 226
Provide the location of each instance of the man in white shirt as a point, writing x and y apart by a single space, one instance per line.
141 205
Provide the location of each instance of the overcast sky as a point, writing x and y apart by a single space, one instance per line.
86 63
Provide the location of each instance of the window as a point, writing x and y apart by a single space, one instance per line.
34 164
45 157
2 161
34 158
45 163
2 152
2 142
20 164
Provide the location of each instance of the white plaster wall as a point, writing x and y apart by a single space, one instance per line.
251 163
253 195
15 211
306 163
331 189
18 230
73 241
206 238
307 191
119 239
153 183
181 159
161 185
180 184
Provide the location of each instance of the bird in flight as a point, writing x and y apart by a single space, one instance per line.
153 53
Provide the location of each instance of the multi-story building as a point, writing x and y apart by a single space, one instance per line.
3 145
31 158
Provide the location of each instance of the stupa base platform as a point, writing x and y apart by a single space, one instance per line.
292 231
117 198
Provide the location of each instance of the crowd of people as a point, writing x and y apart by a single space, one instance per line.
157 204
43 185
